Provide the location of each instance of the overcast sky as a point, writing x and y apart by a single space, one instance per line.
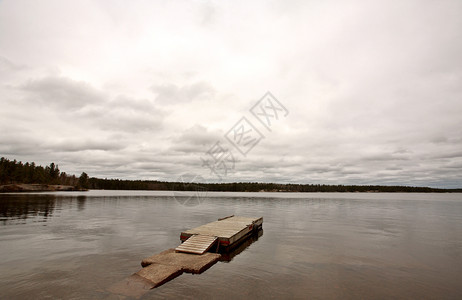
143 89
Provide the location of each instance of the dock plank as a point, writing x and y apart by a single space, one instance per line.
159 274
189 263
197 244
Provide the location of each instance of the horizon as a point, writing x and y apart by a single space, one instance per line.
234 182
333 93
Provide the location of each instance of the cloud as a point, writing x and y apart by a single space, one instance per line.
144 89
197 139
77 144
173 94
125 114
6 65
62 91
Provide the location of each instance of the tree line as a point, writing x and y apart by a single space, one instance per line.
117 184
18 172
12 171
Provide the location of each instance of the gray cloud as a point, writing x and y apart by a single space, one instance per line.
197 139
144 90
61 91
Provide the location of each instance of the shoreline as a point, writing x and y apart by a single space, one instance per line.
36 187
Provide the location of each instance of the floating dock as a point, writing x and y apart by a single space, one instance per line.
226 233
197 253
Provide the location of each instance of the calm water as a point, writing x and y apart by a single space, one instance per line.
334 246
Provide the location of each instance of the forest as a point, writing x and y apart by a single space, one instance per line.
15 172
18 172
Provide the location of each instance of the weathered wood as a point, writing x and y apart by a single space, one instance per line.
228 230
160 268
189 263
197 244
225 217
159 274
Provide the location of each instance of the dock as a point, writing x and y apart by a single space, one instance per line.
226 232
201 248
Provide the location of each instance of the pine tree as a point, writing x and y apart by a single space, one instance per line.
83 180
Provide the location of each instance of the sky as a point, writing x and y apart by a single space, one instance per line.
363 92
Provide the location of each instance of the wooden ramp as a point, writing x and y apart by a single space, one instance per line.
197 244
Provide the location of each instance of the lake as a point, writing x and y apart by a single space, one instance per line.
75 245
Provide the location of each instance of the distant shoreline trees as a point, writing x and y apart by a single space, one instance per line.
14 172
117 184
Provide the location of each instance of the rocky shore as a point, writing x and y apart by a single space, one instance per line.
20 187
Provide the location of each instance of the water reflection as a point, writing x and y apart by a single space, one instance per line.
228 256
20 207
81 202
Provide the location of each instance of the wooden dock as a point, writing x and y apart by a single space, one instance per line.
193 255
226 232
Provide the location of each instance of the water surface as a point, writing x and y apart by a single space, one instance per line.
75 245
